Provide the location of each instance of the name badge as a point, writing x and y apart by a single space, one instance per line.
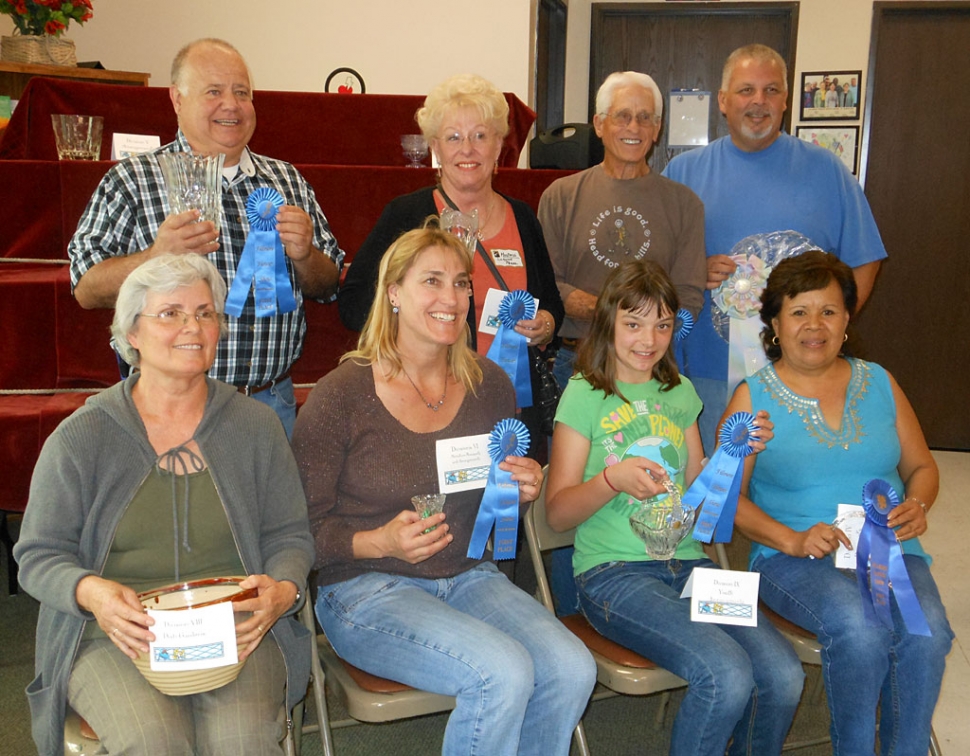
725 597
507 258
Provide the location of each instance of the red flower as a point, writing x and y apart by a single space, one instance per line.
53 27
20 6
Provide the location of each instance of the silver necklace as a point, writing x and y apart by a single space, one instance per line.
429 405
488 213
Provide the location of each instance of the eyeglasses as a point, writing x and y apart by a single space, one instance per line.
625 117
475 139
175 317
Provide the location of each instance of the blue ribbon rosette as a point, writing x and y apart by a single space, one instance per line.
500 502
683 323
719 483
262 265
880 566
510 349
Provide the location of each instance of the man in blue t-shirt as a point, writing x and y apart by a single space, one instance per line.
767 196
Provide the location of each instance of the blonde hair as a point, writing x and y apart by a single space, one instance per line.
378 340
460 91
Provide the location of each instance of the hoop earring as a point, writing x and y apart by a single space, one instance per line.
774 340
845 337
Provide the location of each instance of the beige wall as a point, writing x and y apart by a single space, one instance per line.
398 46
403 46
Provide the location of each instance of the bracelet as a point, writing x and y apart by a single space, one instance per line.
615 490
918 501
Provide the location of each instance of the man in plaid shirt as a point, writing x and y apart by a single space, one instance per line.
127 221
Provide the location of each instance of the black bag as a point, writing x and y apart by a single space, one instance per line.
546 394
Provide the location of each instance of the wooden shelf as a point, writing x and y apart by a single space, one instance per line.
14 76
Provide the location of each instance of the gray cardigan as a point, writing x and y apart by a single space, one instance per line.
89 471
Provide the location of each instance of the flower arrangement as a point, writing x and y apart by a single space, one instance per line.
46 17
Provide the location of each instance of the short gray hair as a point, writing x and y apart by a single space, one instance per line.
165 274
619 79
757 53
182 56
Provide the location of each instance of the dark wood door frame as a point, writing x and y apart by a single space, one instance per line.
604 11
880 10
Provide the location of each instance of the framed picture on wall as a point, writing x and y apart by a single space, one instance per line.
830 95
841 141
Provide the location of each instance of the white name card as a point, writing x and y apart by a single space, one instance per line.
726 597
189 639
126 145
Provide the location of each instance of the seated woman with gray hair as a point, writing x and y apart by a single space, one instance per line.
167 477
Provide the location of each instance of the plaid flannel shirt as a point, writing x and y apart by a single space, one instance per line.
123 216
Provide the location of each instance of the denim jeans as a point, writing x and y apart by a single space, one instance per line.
862 663
562 368
281 399
521 679
743 682
714 395
561 579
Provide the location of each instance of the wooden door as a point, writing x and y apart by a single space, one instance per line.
916 173
684 46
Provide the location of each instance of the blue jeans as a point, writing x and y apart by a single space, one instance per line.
562 368
714 395
561 579
280 398
743 682
521 679
861 663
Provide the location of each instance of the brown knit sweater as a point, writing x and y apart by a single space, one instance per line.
360 468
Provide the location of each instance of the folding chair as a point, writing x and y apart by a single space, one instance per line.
618 669
367 698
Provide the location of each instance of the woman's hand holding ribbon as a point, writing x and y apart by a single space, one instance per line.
182 233
640 477
765 431
296 232
819 541
908 520
527 473
538 330
118 612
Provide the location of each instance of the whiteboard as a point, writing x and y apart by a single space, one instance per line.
688 117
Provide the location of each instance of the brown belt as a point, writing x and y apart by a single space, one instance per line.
250 390
572 344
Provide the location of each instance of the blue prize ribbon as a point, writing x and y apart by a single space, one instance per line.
879 563
719 484
500 501
262 265
510 349
684 323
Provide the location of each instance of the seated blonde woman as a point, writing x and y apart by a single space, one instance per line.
396 594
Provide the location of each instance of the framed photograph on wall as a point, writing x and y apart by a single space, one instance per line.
830 95
841 141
